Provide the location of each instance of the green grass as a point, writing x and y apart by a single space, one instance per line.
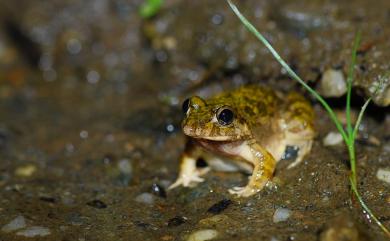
150 8
350 132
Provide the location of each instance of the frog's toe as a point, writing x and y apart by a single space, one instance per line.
242 191
186 181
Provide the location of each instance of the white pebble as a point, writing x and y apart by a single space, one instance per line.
34 231
146 198
281 214
125 167
201 235
383 175
332 83
17 223
332 139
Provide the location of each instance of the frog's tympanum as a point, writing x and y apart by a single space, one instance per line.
248 130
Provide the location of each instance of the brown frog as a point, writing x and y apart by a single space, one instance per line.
247 129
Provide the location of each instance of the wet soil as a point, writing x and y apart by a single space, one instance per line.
90 116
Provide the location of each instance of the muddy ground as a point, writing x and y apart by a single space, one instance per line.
90 137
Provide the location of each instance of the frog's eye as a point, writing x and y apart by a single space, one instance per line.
186 106
225 116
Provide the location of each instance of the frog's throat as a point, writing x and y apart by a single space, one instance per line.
222 147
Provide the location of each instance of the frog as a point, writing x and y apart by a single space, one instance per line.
246 129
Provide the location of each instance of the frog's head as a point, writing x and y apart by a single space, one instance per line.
213 121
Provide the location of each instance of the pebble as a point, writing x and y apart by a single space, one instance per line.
146 198
332 139
383 175
17 223
332 83
125 166
219 206
281 215
201 235
34 231
176 221
97 204
25 170
159 190
126 171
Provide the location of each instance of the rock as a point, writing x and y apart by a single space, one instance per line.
281 215
333 83
332 139
219 206
383 175
17 223
25 170
201 235
125 166
176 221
146 198
34 231
159 190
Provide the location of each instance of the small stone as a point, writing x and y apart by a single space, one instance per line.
17 223
202 235
219 206
158 190
332 83
25 170
97 204
176 221
281 215
125 166
383 175
332 139
34 231
146 198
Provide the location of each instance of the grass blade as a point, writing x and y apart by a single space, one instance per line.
368 210
349 83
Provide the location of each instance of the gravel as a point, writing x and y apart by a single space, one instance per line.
281 215
17 223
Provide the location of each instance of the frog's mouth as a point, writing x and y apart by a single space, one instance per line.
200 134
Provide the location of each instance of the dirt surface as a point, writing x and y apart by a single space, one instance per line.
90 110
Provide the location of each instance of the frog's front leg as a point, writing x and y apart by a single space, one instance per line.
263 168
189 174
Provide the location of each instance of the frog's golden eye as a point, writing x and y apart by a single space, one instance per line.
186 106
225 116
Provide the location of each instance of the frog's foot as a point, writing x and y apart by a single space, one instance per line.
243 191
190 179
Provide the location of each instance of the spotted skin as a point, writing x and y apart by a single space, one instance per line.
264 122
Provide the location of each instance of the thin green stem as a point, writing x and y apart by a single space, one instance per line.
349 83
352 160
367 209
359 119
291 72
